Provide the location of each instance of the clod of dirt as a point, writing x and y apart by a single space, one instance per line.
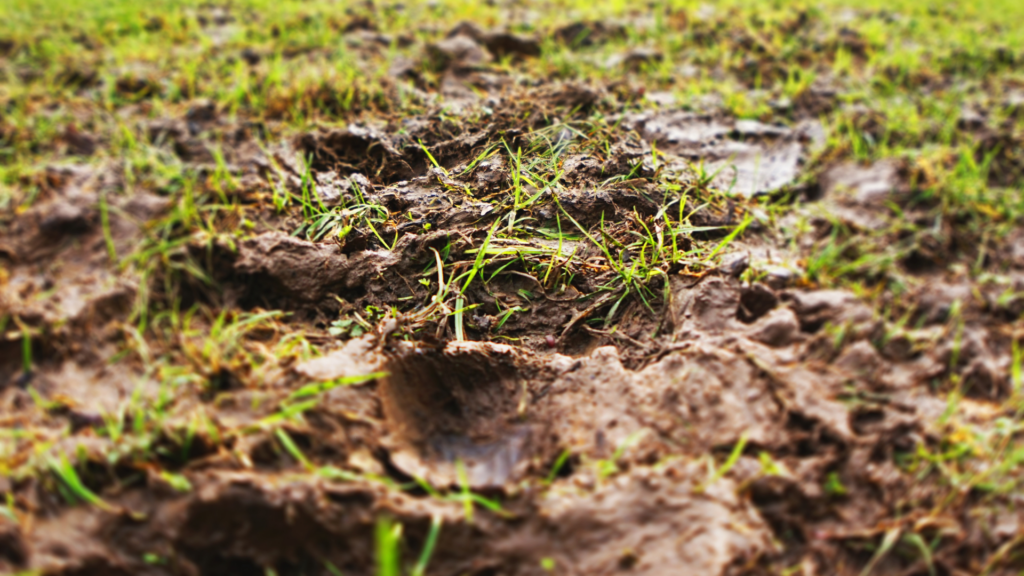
80 143
777 329
621 527
499 43
13 548
572 95
357 357
970 119
635 58
422 198
460 51
74 545
860 194
936 300
490 173
504 44
735 265
708 397
779 277
580 167
682 133
865 184
304 271
836 307
239 523
331 188
357 148
625 156
65 217
861 360
202 111
69 208
711 306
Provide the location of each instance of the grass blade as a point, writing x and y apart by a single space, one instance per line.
388 535
732 236
428 547
891 536
67 474
292 448
734 457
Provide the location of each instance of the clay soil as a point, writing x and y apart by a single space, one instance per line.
511 289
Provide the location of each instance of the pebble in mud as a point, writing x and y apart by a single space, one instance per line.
736 264
779 277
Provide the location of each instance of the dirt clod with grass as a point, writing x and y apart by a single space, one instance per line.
309 288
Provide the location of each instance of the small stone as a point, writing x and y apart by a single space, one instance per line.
779 277
735 264
779 328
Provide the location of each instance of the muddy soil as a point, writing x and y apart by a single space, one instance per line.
745 421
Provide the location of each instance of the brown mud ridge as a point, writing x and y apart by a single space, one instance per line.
603 447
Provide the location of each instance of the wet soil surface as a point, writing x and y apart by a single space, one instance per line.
720 416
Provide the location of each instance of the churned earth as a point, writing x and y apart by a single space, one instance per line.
511 288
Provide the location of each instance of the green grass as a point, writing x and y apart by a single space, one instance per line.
74 490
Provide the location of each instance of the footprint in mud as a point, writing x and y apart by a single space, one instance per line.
453 408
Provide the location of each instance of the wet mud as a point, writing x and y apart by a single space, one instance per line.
598 450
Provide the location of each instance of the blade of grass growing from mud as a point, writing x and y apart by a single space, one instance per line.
508 314
479 261
177 481
459 333
551 265
67 474
604 248
465 495
557 467
728 239
431 158
285 413
487 153
888 541
428 547
388 535
319 388
609 467
467 500
734 457
918 542
292 448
